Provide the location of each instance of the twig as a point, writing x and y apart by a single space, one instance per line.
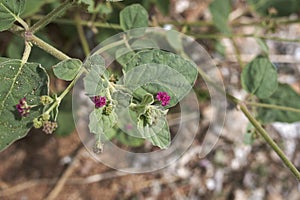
25 185
50 17
270 141
46 47
65 175
81 35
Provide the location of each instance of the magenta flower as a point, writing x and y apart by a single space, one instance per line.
99 101
163 97
23 108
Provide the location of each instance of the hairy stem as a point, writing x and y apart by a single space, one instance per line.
46 47
272 106
221 36
51 16
255 123
82 22
26 53
81 35
65 92
270 141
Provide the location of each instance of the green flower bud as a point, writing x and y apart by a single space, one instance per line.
45 117
45 100
108 109
37 123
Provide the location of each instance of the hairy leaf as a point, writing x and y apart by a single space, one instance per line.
9 11
220 10
128 139
158 70
134 16
259 77
283 96
67 69
100 123
95 82
19 80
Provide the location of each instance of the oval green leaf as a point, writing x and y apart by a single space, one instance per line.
96 80
132 17
220 10
99 122
259 77
67 69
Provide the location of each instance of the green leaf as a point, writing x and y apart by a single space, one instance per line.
162 139
95 82
147 99
144 44
110 134
104 9
124 55
174 39
90 5
9 12
128 139
283 96
95 62
100 123
259 77
156 70
3 59
220 10
19 80
67 69
134 16
283 7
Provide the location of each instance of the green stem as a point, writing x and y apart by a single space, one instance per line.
221 36
238 52
83 23
65 92
272 106
22 22
26 53
233 24
270 141
46 47
50 17
256 124
82 38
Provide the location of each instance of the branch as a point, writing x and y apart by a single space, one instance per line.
45 46
270 141
50 16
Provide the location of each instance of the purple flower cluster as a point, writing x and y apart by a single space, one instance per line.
23 108
99 101
163 97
